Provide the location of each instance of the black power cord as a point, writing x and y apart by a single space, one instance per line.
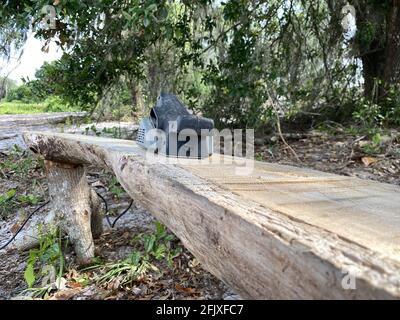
122 214
106 207
23 225
112 224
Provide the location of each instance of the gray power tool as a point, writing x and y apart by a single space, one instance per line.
171 130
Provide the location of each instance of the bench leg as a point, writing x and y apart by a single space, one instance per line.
75 205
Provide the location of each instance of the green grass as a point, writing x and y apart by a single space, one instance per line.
21 108
51 104
151 249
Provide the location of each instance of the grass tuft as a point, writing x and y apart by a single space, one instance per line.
21 108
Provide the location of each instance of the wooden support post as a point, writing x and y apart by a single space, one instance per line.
75 205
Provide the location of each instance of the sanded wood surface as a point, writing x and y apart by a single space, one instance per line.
362 211
280 232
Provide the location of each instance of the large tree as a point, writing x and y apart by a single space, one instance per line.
378 44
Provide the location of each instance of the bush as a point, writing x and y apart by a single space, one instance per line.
22 94
56 104
369 114
391 105
385 113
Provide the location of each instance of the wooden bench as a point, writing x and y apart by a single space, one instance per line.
280 232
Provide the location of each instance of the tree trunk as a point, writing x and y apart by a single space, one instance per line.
392 67
370 20
136 94
71 199
381 54
74 207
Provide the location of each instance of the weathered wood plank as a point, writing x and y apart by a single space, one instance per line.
282 232
11 126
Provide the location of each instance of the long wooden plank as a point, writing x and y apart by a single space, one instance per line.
282 232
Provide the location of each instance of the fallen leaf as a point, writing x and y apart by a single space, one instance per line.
114 284
368 161
194 263
126 235
15 228
73 285
65 294
60 283
184 290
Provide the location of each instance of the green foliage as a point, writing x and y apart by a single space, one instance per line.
374 146
8 196
158 244
6 202
19 164
94 130
25 93
49 259
115 132
51 104
366 33
28 199
259 157
390 105
56 104
150 249
6 85
126 271
369 114
10 201
227 59
116 188
372 114
37 95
